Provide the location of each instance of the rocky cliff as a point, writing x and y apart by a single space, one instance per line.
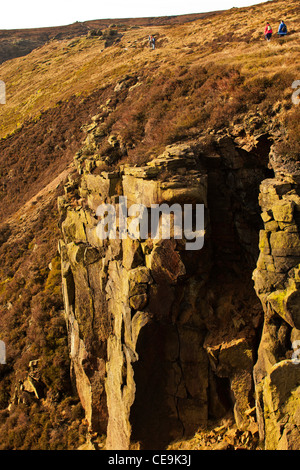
276 277
164 340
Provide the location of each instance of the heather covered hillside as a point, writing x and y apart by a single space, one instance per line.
210 115
203 76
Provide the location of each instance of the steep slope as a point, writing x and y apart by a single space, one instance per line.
153 330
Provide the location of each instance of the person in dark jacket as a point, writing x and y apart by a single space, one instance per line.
282 30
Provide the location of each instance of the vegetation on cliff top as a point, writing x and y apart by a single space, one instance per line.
233 40
204 76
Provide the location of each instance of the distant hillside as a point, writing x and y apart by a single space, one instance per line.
19 42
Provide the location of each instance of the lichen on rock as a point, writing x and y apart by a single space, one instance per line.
277 284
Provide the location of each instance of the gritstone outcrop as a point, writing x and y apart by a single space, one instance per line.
164 340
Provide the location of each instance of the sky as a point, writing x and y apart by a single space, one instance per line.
20 14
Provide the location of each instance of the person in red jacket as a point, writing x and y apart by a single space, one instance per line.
268 31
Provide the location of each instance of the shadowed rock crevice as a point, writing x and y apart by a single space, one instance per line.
153 415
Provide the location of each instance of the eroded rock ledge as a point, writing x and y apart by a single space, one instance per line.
164 340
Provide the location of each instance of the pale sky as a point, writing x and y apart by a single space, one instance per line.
16 14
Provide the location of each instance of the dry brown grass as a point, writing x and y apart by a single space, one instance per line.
61 69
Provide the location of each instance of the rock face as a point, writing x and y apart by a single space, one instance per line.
119 294
277 283
165 339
